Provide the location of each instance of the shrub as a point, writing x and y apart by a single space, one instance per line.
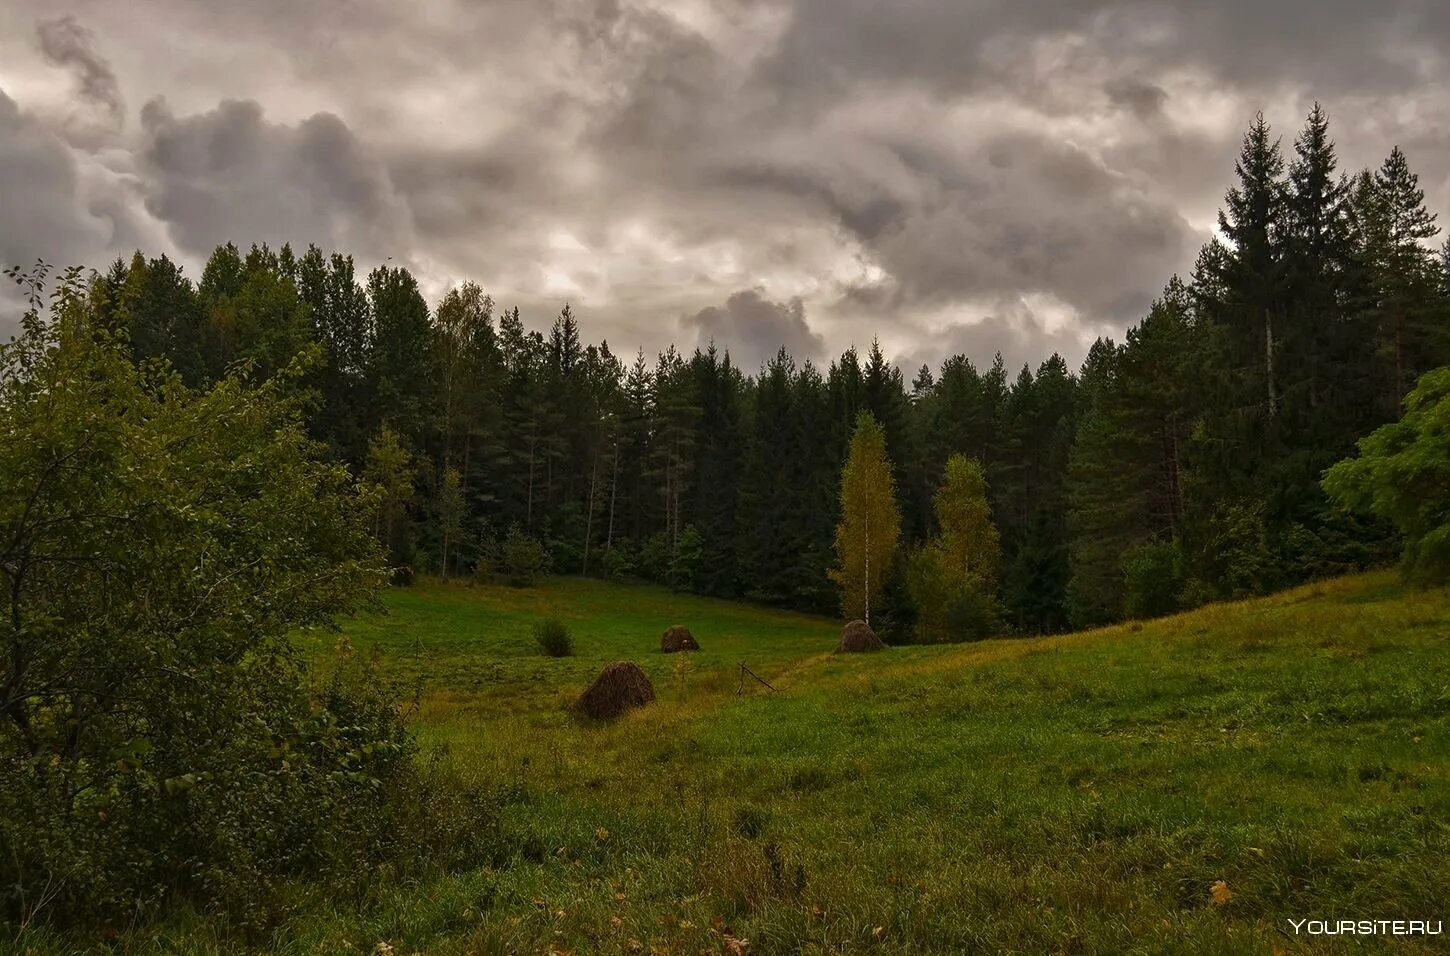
1232 551
1403 474
165 742
654 558
972 614
685 562
929 583
1153 579
565 554
893 613
522 559
554 638
619 560
950 606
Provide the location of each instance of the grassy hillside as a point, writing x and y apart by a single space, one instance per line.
1072 794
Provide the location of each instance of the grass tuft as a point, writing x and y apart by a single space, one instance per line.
553 637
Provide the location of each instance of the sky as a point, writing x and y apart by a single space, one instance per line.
942 175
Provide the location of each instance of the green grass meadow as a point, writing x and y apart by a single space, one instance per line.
1075 794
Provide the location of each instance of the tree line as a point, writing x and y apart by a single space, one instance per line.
1179 465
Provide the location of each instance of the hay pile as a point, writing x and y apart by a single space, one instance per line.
678 638
621 686
857 637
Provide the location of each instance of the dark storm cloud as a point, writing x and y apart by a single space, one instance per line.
68 44
56 204
1145 99
1010 212
44 213
974 174
229 174
753 329
955 47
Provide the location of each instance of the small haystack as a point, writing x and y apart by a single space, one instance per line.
857 637
678 638
619 687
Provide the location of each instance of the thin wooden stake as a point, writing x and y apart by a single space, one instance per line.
745 670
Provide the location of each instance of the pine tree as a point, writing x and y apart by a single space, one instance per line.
1127 477
636 503
770 538
162 314
403 371
1412 320
676 417
815 480
1029 495
1318 260
1253 222
714 488
341 323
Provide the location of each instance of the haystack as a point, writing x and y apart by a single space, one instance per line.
619 687
678 638
857 637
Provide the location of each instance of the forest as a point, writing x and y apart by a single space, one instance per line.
1179 465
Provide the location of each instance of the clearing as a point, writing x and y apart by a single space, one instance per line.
1181 785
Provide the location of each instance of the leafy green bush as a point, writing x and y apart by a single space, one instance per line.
554 638
894 613
950 607
1403 474
1233 558
653 562
972 614
685 562
161 740
1153 579
618 561
522 559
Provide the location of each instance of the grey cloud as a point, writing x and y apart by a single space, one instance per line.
1029 214
44 214
68 44
1009 328
753 329
46 211
231 175
983 212
889 163
1146 100
1009 213
1333 46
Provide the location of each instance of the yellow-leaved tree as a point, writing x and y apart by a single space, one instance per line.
953 578
968 539
870 525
